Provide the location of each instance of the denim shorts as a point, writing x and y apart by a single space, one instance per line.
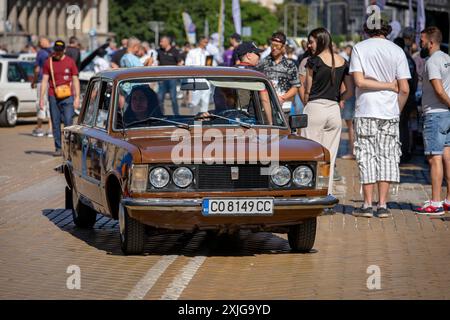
348 113
436 132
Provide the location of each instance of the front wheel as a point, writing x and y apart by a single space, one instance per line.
132 233
83 215
302 236
8 117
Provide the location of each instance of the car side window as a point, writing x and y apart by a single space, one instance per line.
14 73
91 108
103 106
27 70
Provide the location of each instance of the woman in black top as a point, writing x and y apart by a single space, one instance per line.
327 85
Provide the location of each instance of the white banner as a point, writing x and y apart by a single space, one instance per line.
236 9
420 20
189 28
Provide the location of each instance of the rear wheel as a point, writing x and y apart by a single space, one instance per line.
302 236
132 233
8 117
83 215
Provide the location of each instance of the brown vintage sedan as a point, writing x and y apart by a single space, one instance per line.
227 160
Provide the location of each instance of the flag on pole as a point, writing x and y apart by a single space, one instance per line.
206 28
420 20
189 28
221 24
236 9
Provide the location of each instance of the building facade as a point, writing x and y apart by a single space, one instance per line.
346 17
22 21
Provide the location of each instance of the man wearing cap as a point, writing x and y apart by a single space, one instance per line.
282 72
65 73
248 55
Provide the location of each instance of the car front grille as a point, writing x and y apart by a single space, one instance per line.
219 177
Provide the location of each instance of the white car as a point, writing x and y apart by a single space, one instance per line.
17 98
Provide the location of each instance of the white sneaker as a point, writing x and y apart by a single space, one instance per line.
37 133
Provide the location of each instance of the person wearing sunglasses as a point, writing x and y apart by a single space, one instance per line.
282 72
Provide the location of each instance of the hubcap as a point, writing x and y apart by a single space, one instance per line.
11 114
122 221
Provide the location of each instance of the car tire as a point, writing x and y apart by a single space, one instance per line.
8 117
132 233
302 236
83 215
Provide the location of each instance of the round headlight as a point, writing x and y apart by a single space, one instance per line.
302 176
182 177
159 177
280 176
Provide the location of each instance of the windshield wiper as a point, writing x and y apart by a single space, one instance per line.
213 115
176 123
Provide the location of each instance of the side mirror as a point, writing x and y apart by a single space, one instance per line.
298 121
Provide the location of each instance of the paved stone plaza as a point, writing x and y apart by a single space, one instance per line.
38 242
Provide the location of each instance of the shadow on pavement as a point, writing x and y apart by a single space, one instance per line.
105 237
45 153
27 121
349 209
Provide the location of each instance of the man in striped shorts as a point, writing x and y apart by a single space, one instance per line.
380 70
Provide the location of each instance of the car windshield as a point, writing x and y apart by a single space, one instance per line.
182 102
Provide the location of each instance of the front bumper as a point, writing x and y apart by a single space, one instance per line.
160 204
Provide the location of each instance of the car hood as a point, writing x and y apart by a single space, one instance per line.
198 148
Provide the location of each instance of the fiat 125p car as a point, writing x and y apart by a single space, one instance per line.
228 161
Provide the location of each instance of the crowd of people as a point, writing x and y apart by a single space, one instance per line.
374 86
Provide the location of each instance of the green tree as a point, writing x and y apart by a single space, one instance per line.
302 18
132 19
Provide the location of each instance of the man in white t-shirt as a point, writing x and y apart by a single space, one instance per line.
436 118
197 57
380 71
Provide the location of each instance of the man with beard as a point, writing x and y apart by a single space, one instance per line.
59 71
436 114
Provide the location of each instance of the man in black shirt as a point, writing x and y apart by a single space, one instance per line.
410 106
168 56
73 51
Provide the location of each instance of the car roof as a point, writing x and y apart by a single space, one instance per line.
13 60
179 71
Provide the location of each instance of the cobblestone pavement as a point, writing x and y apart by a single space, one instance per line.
38 242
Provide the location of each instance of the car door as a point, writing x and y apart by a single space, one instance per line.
99 137
20 85
81 139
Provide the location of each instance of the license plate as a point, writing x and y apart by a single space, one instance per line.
239 207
